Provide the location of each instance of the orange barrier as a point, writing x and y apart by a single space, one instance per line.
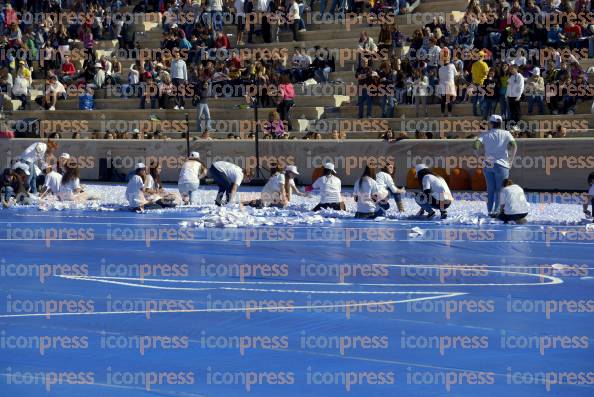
479 184
459 179
411 179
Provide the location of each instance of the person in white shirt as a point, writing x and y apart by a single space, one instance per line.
273 193
290 187
228 178
367 194
20 89
514 206
293 18
54 90
70 188
385 183
189 178
179 77
34 154
329 186
435 195
515 88
52 182
447 86
499 149
99 79
135 189
589 197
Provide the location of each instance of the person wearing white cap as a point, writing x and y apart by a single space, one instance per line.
228 178
52 182
498 150
329 186
435 195
62 160
290 187
135 189
36 153
535 91
189 178
99 78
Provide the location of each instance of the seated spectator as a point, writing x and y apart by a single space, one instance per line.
54 90
20 90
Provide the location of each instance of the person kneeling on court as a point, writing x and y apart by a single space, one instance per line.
514 206
135 192
274 193
385 183
329 186
189 178
228 178
435 195
367 195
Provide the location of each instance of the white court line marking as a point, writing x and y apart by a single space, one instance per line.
241 241
238 309
552 280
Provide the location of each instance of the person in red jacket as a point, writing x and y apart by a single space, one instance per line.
68 68
222 41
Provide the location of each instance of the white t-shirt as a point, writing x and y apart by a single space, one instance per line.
385 182
329 187
238 4
365 188
447 73
149 182
273 188
67 189
134 193
231 171
495 142
190 172
439 188
513 200
34 152
52 182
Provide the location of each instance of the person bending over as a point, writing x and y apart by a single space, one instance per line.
435 195
189 178
514 206
228 178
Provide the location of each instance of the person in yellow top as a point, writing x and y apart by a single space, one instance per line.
479 72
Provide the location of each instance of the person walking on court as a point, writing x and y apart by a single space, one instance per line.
499 150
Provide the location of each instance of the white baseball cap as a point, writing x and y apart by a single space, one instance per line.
22 166
135 130
292 169
65 156
329 166
495 118
420 167
536 71
139 166
194 155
